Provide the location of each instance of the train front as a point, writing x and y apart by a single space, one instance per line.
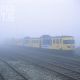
68 43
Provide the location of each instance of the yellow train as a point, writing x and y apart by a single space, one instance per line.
46 41
63 43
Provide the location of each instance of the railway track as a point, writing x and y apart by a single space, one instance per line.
61 60
49 54
19 74
69 65
73 75
41 65
63 70
67 69
2 77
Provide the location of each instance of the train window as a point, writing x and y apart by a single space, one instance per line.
60 40
57 41
54 41
68 41
36 41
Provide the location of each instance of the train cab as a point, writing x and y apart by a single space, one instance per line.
63 43
68 43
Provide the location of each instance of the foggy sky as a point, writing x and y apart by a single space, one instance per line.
38 17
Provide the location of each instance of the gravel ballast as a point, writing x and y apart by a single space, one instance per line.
35 72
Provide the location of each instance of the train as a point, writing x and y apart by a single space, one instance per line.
49 42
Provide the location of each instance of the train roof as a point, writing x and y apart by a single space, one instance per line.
61 36
47 36
35 38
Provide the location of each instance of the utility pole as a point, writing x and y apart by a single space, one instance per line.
7 11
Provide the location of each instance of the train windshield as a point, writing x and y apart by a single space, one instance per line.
68 41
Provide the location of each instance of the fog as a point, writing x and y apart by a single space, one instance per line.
20 18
